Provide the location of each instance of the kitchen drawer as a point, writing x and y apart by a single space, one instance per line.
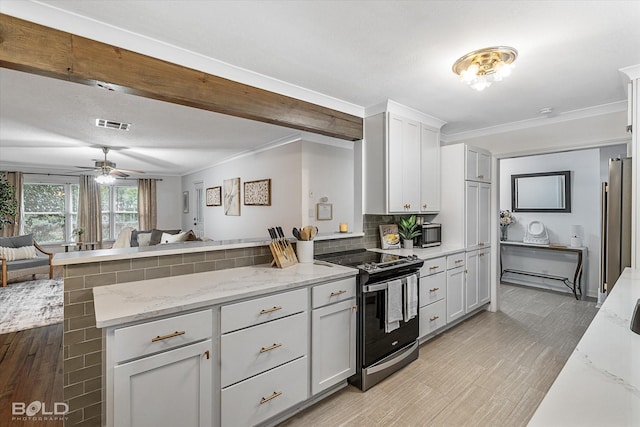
263 396
433 266
159 335
433 288
331 292
254 312
254 350
433 317
455 260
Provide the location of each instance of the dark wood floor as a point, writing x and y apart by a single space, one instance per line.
27 361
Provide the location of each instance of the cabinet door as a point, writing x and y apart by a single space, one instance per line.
484 276
477 165
455 293
333 345
432 288
472 194
471 285
484 167
403 141
430 171
173 388
484 214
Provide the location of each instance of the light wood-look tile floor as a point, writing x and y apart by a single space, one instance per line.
491 370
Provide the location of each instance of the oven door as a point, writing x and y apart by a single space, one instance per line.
376 342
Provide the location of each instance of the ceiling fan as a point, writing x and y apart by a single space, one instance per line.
109 168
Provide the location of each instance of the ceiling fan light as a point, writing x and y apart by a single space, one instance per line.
105 179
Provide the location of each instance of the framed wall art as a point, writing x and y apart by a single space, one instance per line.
257 193
324 211
214 196
231 188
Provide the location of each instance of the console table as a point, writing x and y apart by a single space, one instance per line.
574 286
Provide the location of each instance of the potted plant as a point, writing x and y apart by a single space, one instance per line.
506 219
78 232
408 228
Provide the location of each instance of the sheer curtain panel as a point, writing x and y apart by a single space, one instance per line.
147 204
89 209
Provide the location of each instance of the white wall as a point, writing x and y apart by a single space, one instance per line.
585 212
327 171
296 170
169 202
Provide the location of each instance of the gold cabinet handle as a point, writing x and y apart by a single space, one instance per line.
409 206
481 176
340 292
354 308
481 244
433 289
270 310
273 396
481 254
164 337
424 206
434 318
207 355
458 261
433 267
271 347
466 271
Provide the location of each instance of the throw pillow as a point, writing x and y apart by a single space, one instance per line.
144 239
135 239
173 238
23 252
156 235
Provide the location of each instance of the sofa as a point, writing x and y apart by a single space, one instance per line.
21 256
129 238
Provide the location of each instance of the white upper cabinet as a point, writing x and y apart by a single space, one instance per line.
478 164
403 165
430 170
401 152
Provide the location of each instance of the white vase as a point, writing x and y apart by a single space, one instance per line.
408 243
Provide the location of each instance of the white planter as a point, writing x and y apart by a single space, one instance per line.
407 244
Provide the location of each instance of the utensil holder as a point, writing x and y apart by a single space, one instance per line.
304 249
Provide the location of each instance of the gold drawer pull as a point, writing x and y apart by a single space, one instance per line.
481 244
207 354
481 176
271 347
433 267
164 337
458 261
434 318
424 206
273 396
340 292
269 310
481 254
433 289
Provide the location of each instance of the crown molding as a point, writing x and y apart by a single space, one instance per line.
632 72
54 17
390 106
583 113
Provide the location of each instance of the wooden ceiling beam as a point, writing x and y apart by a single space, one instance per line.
37 49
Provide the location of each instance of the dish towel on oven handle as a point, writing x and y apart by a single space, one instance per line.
410 305
393 309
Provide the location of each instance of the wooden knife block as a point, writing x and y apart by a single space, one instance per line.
283 255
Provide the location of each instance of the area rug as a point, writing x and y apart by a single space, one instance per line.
26 305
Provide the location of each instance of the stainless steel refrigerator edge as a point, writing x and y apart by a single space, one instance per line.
616 223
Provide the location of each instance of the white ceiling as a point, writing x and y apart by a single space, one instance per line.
361 52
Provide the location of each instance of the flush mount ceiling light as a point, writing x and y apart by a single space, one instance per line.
482 67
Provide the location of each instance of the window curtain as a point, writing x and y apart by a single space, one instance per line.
89 209
14 229
147 204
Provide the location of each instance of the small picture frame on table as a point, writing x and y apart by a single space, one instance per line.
324 211
214 196
389 236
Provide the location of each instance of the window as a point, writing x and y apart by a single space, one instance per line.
119 209
50 211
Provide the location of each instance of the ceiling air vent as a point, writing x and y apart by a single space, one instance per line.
110 124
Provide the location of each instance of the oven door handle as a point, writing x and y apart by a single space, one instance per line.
382 286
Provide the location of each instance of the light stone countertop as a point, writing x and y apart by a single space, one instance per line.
424 253
100 255
600 383
134 301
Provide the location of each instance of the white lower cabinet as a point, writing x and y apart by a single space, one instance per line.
484 276
433 317
172 388
261 397
432 298
471 285
455 293
333 344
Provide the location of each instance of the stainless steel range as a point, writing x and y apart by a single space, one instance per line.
380 351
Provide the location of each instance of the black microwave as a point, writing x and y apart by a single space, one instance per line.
431 235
